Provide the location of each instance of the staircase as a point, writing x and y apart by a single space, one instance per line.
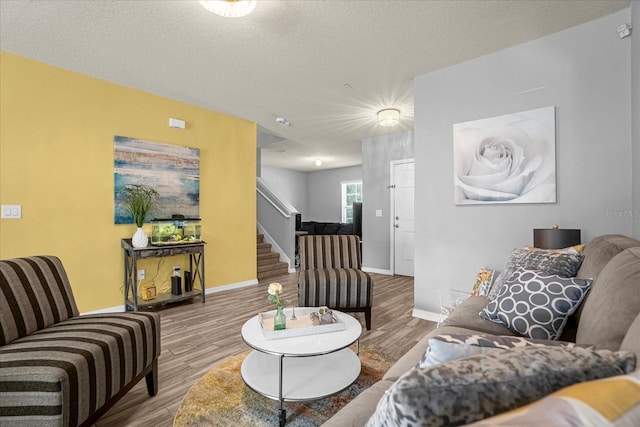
269 263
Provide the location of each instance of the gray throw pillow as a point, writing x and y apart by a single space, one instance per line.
446 347
535 304
561 264
470 389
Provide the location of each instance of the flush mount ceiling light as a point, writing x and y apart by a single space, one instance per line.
389 117
229 8
318 162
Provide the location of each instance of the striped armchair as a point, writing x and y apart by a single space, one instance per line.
330 275
58 368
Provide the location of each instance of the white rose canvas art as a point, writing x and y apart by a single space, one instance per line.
506 159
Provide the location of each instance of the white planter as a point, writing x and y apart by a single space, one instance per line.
139 239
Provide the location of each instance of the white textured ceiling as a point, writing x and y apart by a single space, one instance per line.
326 66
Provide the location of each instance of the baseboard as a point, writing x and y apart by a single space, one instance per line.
230 286
116 309
426 315
207 291
377 271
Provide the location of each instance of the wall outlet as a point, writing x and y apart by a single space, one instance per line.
140 274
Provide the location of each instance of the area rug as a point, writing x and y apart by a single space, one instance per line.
221 398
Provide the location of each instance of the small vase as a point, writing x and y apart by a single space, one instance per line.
139 239
280 321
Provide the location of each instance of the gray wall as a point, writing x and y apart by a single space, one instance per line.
635 117
289 184
377 154
325 192
586 73
316 195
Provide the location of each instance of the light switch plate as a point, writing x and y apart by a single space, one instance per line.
11 211
378 212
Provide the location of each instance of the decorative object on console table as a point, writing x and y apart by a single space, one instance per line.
176 285
139 201
555 238
188 284
175 231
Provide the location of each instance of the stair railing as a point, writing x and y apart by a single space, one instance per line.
276 221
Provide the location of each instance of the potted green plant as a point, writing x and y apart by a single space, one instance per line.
139 200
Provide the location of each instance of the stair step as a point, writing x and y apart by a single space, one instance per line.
275 269
264 248
260 238
268 258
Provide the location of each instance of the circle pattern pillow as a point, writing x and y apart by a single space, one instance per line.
536 304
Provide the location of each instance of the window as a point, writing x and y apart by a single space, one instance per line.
351 192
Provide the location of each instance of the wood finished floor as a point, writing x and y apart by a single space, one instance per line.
195 336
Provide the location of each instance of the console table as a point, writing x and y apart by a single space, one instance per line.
132 301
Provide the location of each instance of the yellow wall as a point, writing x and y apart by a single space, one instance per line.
56 160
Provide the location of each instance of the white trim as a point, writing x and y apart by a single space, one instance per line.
116 309
285 208
230 286
207 291
377 271
426 315
274 245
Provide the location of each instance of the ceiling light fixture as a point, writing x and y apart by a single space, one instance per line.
229 8
318 162
389 117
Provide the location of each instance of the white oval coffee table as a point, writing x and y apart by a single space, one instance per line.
301 368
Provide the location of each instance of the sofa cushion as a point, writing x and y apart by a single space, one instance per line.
614 302
444 348
465 319
34 293
72 368
600 250
536 304
359 410
470 389
631 340
335 288
613 401
318 252
408 360
561 264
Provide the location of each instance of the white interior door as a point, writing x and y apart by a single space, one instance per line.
402 205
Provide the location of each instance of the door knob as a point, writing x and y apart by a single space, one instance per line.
396 225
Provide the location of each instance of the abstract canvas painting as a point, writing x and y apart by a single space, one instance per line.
506 159
173 171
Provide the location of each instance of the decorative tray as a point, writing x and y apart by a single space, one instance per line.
299 327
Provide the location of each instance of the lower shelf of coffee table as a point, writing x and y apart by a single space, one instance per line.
304 378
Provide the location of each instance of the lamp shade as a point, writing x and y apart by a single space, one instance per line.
555 238
389 117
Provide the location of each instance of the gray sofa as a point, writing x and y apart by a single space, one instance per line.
58 368
607 318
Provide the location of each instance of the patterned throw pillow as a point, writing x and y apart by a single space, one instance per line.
484 281
447 347
561 264
535 304
470 389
